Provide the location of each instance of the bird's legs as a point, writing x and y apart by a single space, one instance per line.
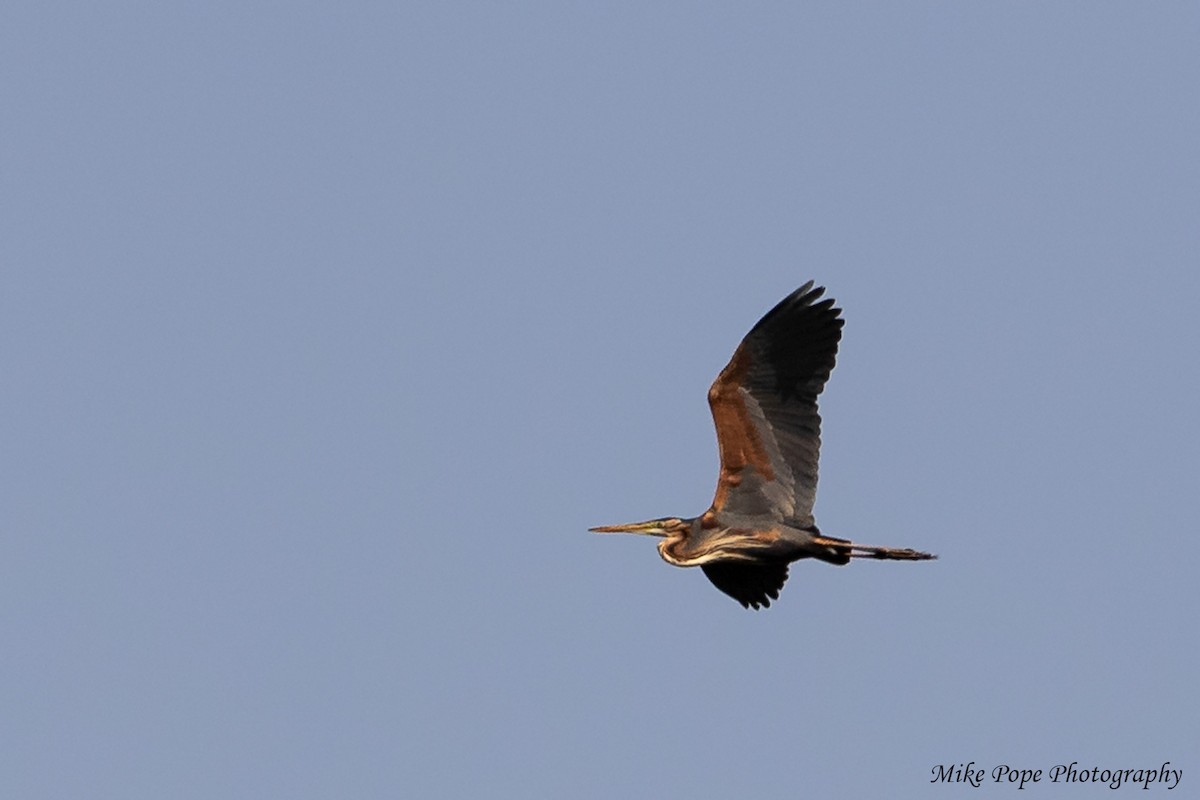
871 551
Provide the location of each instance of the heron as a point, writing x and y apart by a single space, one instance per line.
764 407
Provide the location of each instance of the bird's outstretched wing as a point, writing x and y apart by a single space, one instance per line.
764 405
750 584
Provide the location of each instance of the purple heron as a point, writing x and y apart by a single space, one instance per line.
764 405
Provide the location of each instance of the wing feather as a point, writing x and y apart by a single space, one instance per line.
750 584
764 406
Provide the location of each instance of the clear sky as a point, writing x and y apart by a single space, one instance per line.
327 330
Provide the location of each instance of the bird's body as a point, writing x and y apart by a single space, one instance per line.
764 405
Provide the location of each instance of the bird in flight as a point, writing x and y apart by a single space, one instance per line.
764 405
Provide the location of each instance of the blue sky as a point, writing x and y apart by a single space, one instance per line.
328 330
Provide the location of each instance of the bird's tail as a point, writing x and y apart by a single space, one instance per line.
832 550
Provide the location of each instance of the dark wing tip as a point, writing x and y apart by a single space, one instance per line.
804 297
798 339
752 585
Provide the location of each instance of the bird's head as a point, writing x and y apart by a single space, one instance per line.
670 527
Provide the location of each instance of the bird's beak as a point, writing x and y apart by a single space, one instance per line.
651 528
